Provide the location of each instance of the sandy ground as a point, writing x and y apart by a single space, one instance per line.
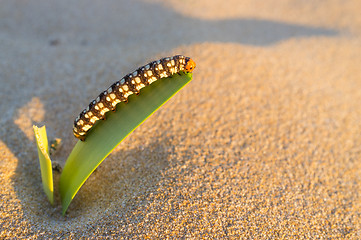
264 142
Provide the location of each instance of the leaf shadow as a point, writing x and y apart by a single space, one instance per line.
124 175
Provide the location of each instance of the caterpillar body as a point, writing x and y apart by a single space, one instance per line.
128 85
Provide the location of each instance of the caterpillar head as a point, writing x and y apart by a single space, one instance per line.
190 65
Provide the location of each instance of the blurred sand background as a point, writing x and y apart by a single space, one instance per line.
263 143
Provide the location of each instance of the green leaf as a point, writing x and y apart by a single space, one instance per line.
106 135
45 162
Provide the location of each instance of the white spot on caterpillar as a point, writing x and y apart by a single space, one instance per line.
163 75
86 127
147 67
152 79
93 119
140 86
125 88
150 73
128 94
115 102
104 110
112 95
110 90
135 73
108 99
137 80
122 81
172 70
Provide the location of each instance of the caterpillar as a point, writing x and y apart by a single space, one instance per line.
128 85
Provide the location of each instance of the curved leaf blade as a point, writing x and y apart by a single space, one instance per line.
106 135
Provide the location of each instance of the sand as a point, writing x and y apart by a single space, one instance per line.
264 143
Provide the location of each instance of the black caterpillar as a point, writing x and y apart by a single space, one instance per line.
129 84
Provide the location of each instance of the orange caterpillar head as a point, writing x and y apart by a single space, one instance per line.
190 65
